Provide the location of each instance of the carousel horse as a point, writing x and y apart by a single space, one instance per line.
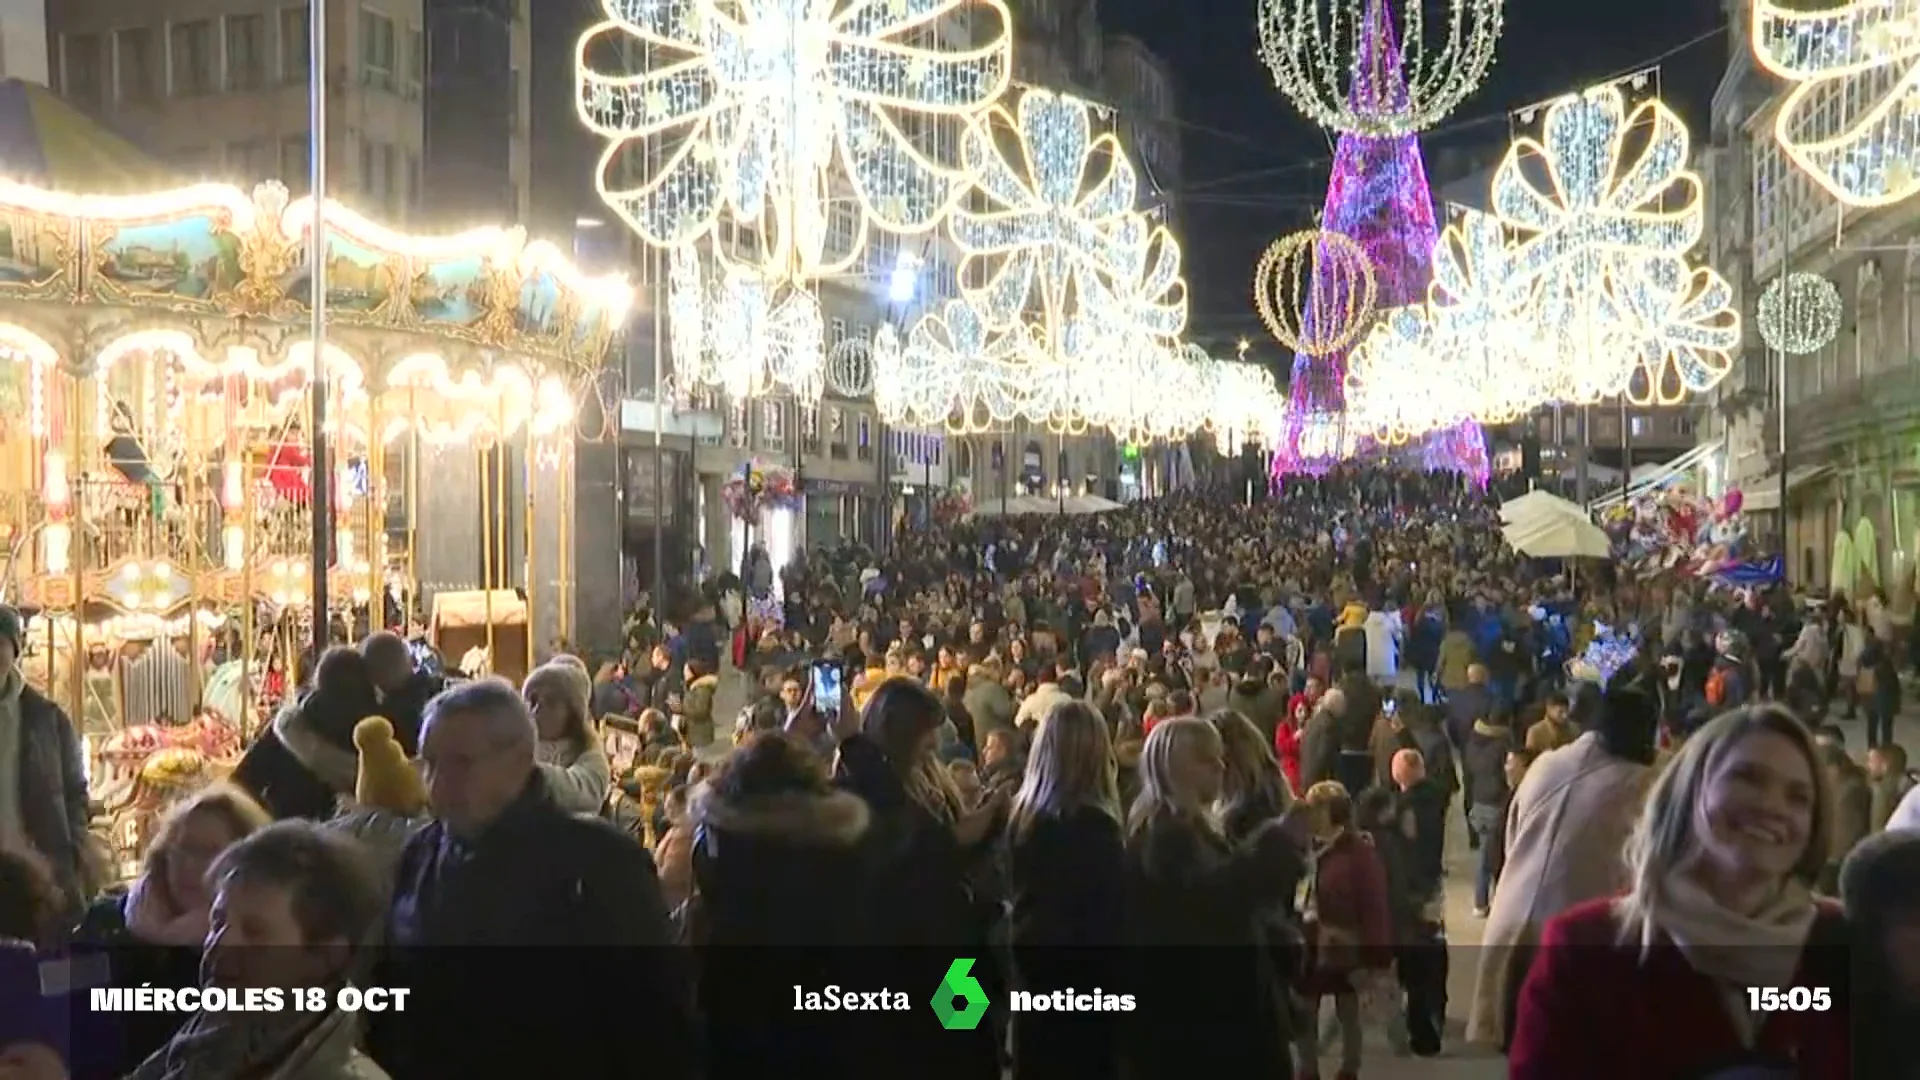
163 779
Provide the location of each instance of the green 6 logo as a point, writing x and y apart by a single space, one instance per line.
959 985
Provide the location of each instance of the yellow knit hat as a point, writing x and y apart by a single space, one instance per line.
387 780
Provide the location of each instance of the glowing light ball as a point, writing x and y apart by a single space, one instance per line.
1799 314
1337 281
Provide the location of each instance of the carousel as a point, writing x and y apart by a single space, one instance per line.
156 474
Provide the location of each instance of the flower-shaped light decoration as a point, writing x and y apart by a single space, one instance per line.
1601 215
746 332
1684 329
749 107
1343 65
1477 305
952 370
1395 389
1240 401
1054 194
1862 58
1131 319
1145 296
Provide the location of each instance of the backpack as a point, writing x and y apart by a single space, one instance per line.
1719 684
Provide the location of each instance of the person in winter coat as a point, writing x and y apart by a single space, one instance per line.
1320 739
1350 641
1193 902
545 908
1887 774
1287 740
1350 929
1566 828
43 782
153 931
570 756
1424 639
1553 730
296 904
1852 807
1487 797
1853 644
1807 659
1067 863
696 707
988 701
403 688
1436 750
1879 685
306 761
1456 655
1879 884
1718 903
777 887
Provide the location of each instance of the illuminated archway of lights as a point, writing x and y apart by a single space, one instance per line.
1337 281
1342 63
744 332
1054 195
1799 314
748 107
1857 64
1594 237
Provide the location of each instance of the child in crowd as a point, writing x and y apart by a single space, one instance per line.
1889 779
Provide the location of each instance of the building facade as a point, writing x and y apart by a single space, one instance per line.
1853 407
1141 87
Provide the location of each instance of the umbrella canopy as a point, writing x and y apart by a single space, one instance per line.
48 143
1538 505
1558 536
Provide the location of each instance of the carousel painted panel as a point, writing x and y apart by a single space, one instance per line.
36 252
179 260
361 279
544 309
450 293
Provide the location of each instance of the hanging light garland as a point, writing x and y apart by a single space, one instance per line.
953 370
1475 303
750 108
1334 276
1395 391
1344 65
1856 68
1683 327
744 332
1799 314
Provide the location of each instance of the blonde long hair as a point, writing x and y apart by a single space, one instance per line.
1663 837
1252 767
238 812
1071 765
1168 742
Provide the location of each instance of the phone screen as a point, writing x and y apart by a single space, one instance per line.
829 684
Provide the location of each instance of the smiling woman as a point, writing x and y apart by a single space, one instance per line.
1722 863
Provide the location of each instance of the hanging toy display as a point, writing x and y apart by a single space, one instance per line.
756 487
1674 531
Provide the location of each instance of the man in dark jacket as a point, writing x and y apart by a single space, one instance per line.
404 689
43 785
534 941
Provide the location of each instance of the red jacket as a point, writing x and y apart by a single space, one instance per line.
1590 1010
1286 746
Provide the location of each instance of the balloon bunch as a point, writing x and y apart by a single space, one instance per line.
758 487
952 508
1672 530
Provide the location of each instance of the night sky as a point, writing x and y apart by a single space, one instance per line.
1255 169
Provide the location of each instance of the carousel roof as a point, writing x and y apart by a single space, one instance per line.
48 143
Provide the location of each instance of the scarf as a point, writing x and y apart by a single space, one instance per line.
1736 950
233 1045
154 918
13 749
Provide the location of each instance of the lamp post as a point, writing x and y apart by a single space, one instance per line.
319 385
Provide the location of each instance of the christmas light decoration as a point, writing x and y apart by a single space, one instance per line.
953 370
1799 313
1396 388
1377 197
744 332
1682 328
1334 276
1143 296
1852 122
751 107
1055 194
1326 57
1596 227
850 368
1475 304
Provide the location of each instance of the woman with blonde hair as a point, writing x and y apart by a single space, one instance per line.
570 755
1254 790
1066 863
1718 955
1193 901
154 931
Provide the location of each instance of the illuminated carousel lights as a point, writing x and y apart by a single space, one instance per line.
1799 314
1839 57
1337 283
1343 65
1054 195
753 105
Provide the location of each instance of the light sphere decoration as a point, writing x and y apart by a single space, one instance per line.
1799 314
1344 66
1336 279
850 368
1852 120
755 108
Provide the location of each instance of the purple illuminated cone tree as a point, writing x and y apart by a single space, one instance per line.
1378 197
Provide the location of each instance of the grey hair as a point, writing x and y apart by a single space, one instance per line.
495 701
1664 836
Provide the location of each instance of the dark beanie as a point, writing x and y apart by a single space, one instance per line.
13 628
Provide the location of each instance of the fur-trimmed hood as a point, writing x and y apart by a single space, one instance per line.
830 819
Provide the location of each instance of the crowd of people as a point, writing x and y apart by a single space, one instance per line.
1196 753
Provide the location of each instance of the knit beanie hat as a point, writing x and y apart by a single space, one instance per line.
13 628
387 780
566 679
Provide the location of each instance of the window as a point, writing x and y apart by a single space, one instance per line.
246 52
293 44
136 61
836 433
1642 426
376 49
416 59
190 57
863 448
251 161
773 424
84 74
295 162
